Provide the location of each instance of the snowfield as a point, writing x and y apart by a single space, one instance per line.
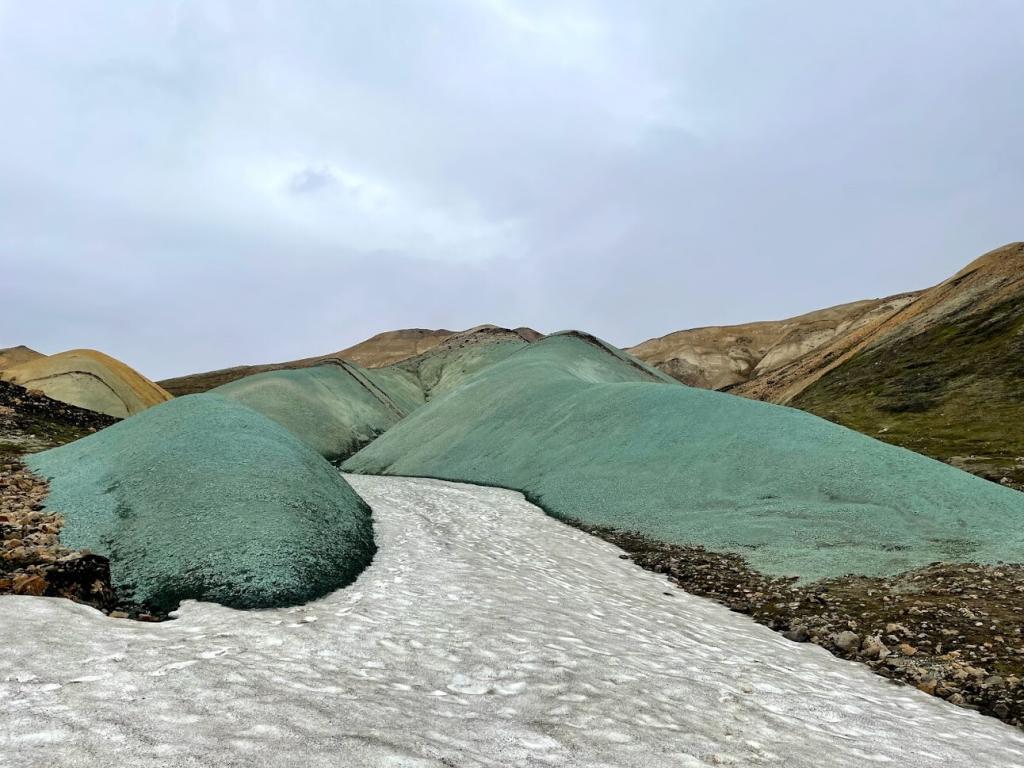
484 634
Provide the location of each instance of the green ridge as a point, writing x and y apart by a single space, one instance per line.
587 433
441 370
335 408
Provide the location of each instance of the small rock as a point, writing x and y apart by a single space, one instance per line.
798 634
873 648
846 641
29 584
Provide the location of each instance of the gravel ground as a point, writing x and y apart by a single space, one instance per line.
30 421
32 559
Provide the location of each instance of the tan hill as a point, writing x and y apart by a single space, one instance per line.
391 346
12 356
718 357
939 371
88 379
378 351
944 376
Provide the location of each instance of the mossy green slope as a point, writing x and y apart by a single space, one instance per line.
205 498
588 433
953 391
335 408
443 369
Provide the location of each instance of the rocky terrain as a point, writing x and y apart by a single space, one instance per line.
953 630
32 559
378 351
30 421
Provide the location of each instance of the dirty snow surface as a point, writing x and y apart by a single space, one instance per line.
483 634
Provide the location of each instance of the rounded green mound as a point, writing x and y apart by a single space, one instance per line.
203 498
335 408
587 433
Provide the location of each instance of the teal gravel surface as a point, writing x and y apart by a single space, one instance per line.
335 408
587 432
204 498
441 370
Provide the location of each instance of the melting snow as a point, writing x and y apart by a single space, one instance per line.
483 634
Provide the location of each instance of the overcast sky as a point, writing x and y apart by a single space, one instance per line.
194 185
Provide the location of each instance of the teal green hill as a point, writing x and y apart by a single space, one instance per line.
448 365
587 432
204 498
335 408
339 407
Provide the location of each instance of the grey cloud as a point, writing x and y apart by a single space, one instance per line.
168 171
311 180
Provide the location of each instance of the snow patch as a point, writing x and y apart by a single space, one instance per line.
484 634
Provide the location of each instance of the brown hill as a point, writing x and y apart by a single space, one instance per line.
944 376
375 352
719 357
939 371
88 379
12 356
391 346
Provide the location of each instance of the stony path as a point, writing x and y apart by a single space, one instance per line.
484 634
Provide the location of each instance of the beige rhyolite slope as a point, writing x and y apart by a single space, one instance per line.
944 377
994 281
391 346
720 357
378 351
88 379
12 356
